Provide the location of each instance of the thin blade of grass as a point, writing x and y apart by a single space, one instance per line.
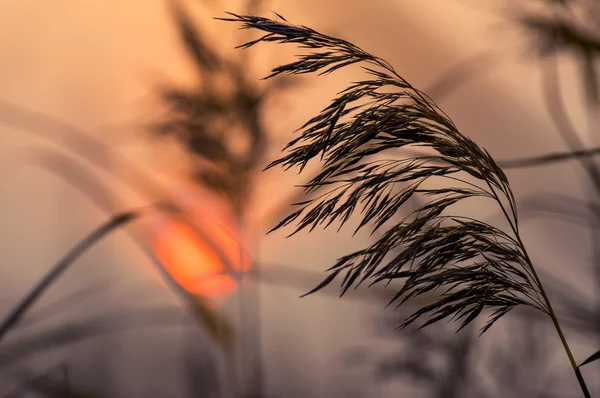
115 222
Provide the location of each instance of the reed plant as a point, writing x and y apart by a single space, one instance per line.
477 268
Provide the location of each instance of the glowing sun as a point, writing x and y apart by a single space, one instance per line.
203 255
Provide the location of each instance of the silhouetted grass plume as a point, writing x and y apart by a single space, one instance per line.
477 266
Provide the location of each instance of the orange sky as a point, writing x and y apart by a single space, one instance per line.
93 63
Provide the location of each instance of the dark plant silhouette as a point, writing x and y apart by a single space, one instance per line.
567 26
221 112
476 265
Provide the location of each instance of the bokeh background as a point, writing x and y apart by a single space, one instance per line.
111 327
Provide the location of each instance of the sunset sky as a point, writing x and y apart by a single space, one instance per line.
94 64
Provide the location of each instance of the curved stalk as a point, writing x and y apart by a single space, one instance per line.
18 311
561 335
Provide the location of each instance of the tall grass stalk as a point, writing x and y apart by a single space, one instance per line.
477 266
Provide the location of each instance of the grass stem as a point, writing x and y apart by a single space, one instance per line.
563 340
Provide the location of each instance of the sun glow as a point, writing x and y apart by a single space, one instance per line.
204 257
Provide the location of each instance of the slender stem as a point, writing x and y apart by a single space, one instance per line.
563 340
18 311
544 160
580 379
